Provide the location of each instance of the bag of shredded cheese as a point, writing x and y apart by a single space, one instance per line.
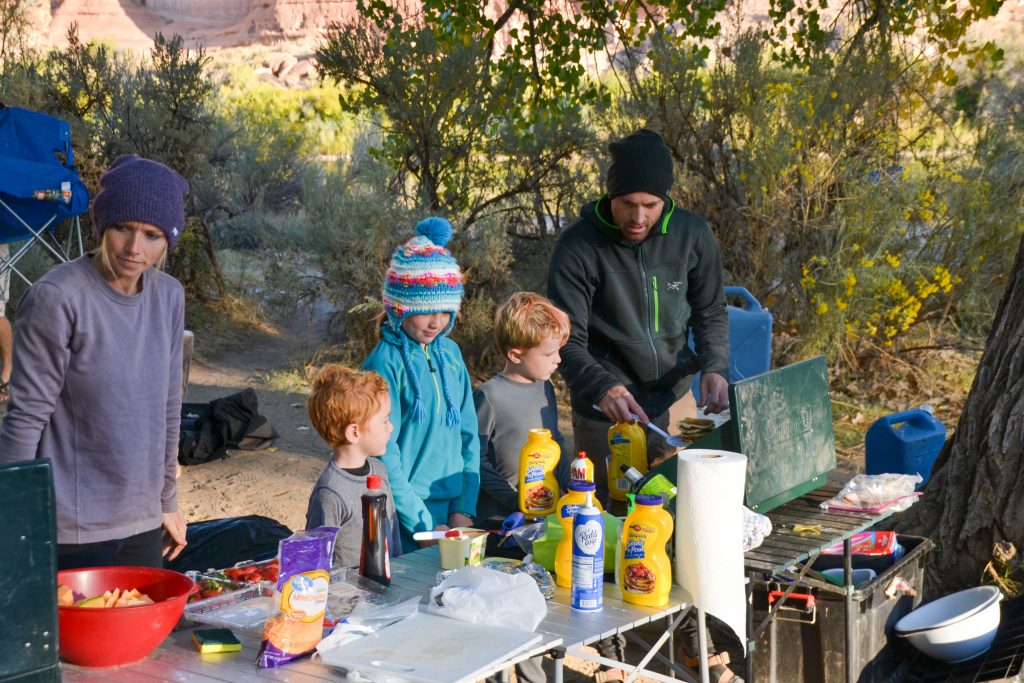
296 624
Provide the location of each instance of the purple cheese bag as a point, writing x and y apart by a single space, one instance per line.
295 625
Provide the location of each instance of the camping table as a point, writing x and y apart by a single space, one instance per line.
177 658
784 548
573 630
564 632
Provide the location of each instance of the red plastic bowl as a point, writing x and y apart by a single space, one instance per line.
119 635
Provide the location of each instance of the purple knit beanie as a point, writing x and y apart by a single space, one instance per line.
137 189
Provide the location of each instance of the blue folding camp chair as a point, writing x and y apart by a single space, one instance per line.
39 187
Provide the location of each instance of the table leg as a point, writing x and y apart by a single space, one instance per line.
672 650
558 655
848 583
702 645
751 639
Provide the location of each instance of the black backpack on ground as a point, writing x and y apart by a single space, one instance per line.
208 430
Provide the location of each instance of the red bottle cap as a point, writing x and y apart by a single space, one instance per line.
581 454
373 481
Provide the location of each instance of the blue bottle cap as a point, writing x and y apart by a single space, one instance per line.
648 499
582 486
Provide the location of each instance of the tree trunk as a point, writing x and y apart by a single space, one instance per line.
975 497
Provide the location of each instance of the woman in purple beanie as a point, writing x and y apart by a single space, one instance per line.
96 387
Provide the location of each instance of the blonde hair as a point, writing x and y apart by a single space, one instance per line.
526 319
105 260
342 396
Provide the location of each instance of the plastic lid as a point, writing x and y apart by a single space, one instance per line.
582 486
581 455
373 481
648 499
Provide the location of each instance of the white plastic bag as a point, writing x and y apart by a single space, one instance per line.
363 625
485 596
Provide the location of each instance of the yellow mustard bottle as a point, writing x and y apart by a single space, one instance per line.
567 507
581 469
538 486
645 572
628 445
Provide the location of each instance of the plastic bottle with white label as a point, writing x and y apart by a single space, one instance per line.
581 469
587 592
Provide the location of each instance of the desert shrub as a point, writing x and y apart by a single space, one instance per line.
157 107
837 190
339 247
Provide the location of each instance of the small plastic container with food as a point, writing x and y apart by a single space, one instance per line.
250 571
212 585
244 607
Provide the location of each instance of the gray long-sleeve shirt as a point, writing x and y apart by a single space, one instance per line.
96 389
336 500
506 411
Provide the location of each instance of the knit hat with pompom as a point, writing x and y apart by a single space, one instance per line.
424 278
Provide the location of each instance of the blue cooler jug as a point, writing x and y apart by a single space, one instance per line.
750 338
904 443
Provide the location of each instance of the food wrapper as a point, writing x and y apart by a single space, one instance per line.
527 566
295 625
876 493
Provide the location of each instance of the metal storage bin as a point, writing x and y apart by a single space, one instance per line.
809 642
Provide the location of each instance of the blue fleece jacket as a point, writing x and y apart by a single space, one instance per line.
434 469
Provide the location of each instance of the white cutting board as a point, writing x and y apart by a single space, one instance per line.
426 648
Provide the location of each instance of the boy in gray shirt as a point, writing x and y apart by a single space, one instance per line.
351 410
529 331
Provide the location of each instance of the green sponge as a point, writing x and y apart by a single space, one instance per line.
216 640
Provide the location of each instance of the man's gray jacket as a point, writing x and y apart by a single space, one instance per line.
631 303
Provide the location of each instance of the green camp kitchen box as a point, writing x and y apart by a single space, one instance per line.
28 535
782 422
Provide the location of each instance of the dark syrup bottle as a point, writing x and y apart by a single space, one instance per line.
374 559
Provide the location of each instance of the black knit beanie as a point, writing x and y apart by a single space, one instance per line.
641 162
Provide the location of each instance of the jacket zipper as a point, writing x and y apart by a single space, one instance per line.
657 317
647 310
433 376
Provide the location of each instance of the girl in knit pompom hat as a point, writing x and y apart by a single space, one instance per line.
433 457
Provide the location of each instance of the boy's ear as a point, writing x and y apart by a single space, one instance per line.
352 432
514 355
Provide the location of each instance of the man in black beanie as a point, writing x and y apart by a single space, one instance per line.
634 273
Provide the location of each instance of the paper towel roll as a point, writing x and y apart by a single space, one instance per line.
709 533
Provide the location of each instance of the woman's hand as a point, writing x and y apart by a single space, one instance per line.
174 535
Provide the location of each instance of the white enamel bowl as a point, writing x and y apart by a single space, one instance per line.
955 628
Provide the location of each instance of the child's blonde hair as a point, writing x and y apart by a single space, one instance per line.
343 396
526 319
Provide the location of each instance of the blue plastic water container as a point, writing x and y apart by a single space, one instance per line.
750 338
904 443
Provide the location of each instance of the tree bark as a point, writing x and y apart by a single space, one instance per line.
975 497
